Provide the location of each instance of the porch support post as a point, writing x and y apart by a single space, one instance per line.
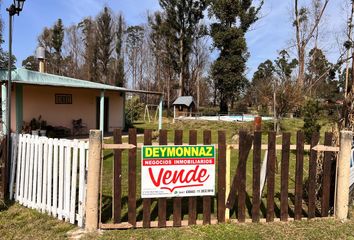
102 112
160 112
124 102
19 107
174 113
4 108
343 175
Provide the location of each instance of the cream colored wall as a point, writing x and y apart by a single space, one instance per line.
40 100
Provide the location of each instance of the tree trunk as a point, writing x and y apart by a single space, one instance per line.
181 62
301 67
223 105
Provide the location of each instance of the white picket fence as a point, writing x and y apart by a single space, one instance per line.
50 175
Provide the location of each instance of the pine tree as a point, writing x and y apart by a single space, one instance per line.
105 41
134 41
233 19
90 67
57 43
119 71
182 17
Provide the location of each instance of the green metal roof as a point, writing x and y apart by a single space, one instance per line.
22 75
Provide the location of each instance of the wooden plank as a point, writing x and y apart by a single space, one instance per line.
67 181
132 179
154 224
299 174
271 175
256 199
207 199
23 165
30 183
55 176
326 180
61 179
75 145
322 148
192 201
118 146
28 148
221 176
162 204
177 201
82 183
117 178
228 180
284 181
45 174
245 147
49 175
147 201
312 177
19 165
278 147
40 173
35 172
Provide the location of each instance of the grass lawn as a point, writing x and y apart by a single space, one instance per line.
17 222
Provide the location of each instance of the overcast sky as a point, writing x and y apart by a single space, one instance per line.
272 32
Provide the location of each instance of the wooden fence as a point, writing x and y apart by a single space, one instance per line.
238 199
50 175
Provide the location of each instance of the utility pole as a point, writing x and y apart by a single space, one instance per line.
350 26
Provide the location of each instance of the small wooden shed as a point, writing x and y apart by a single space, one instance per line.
183 105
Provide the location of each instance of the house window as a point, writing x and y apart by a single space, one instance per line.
63 98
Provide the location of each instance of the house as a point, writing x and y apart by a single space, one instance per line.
61 100
183 106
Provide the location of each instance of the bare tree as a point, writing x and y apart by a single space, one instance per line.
305 30
73 52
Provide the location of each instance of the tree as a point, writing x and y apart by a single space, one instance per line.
90 67
319 77
45 41
105 41
182 17
162 42
288 96
305 29
31 63
135 38
233 19
57 43
4 55
311 116
260 92
119 71
73 52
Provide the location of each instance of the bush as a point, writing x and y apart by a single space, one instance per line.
311 113
133 110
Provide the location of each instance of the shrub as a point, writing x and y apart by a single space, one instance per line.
311 113
133 110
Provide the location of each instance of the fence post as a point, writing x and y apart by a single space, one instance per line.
343 173
93 180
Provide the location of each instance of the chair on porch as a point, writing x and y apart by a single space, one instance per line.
79 127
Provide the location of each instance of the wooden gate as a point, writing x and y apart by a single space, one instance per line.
243 200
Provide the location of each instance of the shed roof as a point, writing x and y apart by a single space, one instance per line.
22 75
184 100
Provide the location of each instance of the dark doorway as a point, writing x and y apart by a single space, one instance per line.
106 107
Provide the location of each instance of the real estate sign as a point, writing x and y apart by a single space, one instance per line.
177 171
